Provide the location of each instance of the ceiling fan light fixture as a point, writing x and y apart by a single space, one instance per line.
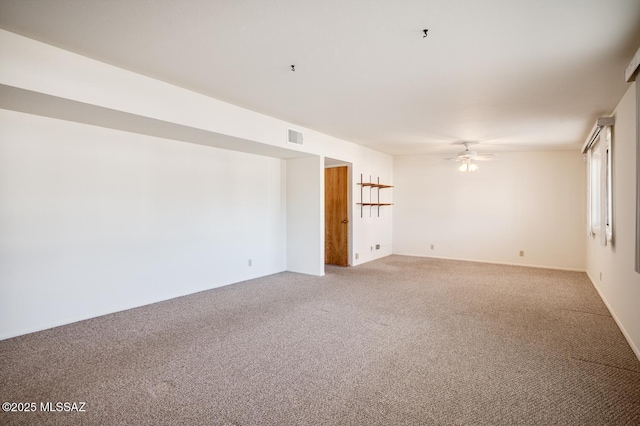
468 166
468 157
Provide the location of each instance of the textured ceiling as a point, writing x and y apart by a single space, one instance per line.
512 74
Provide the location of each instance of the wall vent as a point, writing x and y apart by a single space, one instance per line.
295 137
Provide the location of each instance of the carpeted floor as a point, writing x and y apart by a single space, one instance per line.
398 341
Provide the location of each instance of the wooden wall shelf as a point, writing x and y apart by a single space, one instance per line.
371 186
375 185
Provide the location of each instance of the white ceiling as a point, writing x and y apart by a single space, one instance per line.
512 74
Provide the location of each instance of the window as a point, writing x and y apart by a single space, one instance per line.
600 185
608 185
595 164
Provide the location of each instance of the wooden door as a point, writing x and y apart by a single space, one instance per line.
336 216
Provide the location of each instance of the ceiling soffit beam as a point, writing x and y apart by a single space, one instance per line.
631 72
30 102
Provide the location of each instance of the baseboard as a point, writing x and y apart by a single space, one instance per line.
626 335
560 268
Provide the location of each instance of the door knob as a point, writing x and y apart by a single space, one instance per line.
345 221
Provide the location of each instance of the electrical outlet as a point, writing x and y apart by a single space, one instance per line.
377 246
357 256
250 262
431 246
521 253
600 276
371 248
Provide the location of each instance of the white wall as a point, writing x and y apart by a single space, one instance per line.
531 201
94 220
41 68
619 286
305 219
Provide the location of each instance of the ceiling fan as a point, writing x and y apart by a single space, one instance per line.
468 156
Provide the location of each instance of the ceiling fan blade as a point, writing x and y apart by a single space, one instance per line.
469 155
486 157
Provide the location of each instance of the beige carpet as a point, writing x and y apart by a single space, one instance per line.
399 341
